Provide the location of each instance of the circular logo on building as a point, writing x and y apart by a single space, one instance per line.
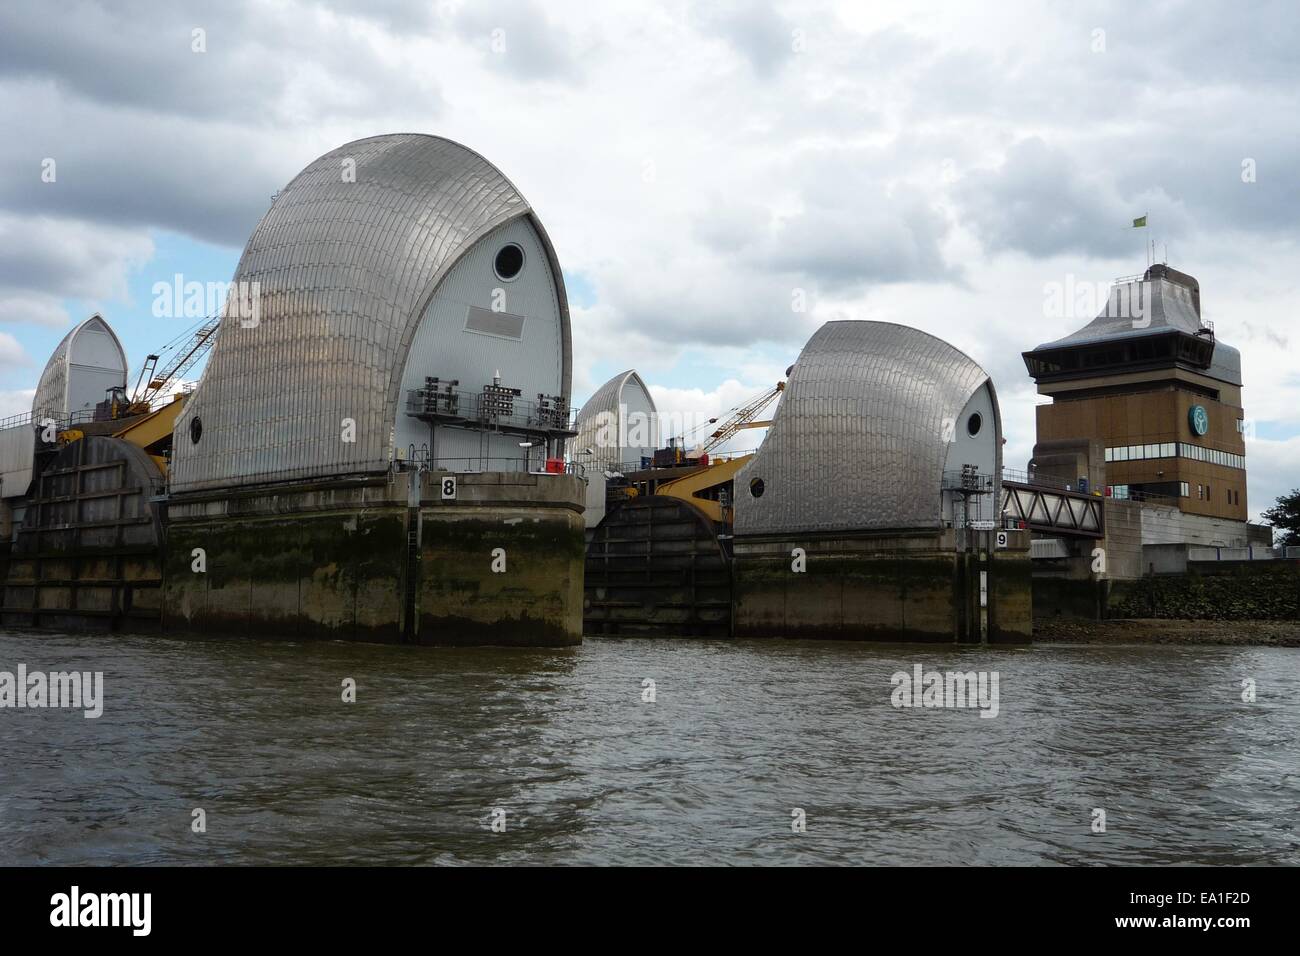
1199 419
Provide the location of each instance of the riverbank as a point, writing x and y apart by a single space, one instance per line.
1167 631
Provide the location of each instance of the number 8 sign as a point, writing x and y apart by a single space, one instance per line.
449 488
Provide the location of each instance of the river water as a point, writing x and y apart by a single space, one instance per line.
739 736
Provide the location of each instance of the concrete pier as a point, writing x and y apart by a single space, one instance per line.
884 588
382 560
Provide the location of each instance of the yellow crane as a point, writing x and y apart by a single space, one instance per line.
152 382
711 488
144 420
746 416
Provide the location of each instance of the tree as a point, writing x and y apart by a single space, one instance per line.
1285 518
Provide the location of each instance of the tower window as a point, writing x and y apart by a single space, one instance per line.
973 424
509 261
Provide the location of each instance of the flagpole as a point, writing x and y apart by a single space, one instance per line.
1148 248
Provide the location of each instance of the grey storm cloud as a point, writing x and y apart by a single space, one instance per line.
65 258
876 238
517 37
1053 148
1249 44
143 55
856 226
1240 175
754 30
130 169
1043 203
145 132
48 259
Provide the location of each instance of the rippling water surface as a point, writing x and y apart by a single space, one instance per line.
741 733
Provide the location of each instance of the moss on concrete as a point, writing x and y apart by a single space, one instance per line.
868 597
1260 590
1069 598
343 575
1012 602
303 576
535 600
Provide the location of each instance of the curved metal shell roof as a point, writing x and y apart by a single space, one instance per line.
602 410
51 398
861 437
347 259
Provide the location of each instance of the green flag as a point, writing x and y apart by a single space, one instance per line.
1139 222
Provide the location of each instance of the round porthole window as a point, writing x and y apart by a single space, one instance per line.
196 429
756 488
973 424
509 262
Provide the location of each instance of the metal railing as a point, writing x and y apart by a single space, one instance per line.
1038 480
495 407
1219 553
1154 497
1059 484
82 416
419 459
968 481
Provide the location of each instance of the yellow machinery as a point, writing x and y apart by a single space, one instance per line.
709 487
744 417
146 419
152 384
703 488
153 432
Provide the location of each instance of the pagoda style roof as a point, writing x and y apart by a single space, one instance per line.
1161 303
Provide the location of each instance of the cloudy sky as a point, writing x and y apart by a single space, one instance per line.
702 168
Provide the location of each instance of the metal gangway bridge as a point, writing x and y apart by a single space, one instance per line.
1043 505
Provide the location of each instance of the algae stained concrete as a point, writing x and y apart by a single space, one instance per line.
849 589
907 588
387 560
332 575
502 563
1011 595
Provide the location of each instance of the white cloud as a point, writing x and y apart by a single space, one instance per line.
16 401
693 414
926 163
51 257
12 354
1273 468
34 308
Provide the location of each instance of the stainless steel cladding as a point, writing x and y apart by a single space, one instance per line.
85 365
17 454
872 416
305 380
619 423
